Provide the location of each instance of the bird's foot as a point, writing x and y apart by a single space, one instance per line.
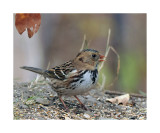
83 107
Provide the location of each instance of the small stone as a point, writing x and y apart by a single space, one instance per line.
89 113
42 101
133 117
98 99
67 118
30 102
103 118
23 106
143 104
86 116
51 95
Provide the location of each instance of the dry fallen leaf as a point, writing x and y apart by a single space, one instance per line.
29 21
120 99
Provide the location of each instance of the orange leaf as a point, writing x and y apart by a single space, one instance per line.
29 21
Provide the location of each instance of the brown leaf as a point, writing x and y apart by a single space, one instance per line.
29 21
120 99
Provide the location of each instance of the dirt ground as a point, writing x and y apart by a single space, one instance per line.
37 101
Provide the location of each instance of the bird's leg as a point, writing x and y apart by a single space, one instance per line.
63 103
82 105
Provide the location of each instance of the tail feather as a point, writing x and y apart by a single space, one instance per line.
33 69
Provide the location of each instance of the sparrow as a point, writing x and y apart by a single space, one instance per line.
74 77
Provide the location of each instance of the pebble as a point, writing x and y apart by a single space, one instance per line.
86 116
103 118
89 113
42 101
23 106
143 104
30 102
67 118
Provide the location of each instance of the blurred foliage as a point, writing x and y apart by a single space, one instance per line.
132 71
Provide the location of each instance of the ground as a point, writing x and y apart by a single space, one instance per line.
37 101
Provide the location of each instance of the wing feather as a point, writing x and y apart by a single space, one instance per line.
61 72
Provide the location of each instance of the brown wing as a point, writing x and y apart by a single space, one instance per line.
60 72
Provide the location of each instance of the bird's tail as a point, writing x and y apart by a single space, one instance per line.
33 69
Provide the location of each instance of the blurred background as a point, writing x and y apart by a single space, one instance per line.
60 37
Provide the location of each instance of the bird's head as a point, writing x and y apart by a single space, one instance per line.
88 59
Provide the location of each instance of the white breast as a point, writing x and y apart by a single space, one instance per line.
84 84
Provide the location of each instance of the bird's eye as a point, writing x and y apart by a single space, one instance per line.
94 55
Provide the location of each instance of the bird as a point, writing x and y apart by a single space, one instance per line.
74 77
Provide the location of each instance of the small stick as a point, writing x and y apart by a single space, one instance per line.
103 81
118 66
84 44
121 93
49 63
107 49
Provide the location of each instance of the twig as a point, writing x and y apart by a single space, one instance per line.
118 67
84 44
107 49
121 93
103 81
49 63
